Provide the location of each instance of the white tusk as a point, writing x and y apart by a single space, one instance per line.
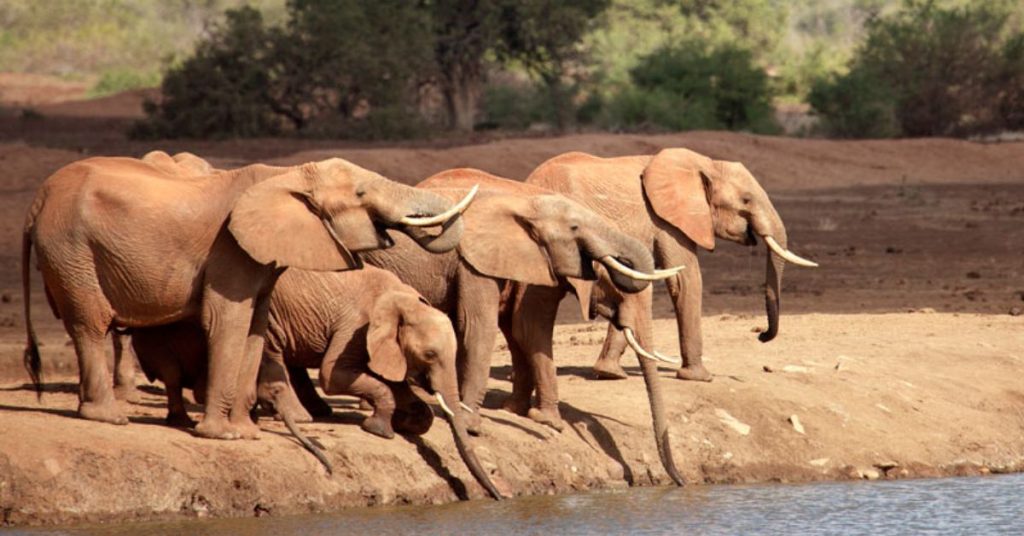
657 275
631 339
786 254
465 407
430 221
444 406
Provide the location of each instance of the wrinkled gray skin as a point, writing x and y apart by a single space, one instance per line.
367 333
122 243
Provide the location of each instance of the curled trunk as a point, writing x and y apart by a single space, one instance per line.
772 294
609 241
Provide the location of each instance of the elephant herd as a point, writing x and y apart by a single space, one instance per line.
234 283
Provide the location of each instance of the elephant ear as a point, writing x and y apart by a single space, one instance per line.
675 188
274 222
386 357
584 289
497 242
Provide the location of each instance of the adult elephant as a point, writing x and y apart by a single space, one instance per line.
368 333
674 203
514 232
122 243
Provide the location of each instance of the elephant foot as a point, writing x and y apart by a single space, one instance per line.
414 419
127 393
548 417
609 370
217 428
378 426
108 412
474 423
179 420
516 405
247 429
696 373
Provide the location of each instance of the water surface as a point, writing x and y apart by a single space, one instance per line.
982 505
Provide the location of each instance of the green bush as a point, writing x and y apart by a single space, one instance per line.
691 87
222 90
928 70
855 105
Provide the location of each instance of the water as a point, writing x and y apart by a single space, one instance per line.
984 505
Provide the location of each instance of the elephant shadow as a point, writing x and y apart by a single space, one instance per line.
576 417
433 459
53 387
587 373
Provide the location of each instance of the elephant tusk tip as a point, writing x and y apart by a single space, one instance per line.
444 405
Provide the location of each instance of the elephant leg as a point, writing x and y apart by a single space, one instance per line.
533 327
345 380
96 393
686 291
412 416
177 416
124 371
275 387
607 366
477 324
227 327
248 371
522 373
306 392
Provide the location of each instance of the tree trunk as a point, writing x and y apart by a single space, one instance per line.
460 95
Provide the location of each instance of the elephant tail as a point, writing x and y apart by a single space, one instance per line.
306 443
33 363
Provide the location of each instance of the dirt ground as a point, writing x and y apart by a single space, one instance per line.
899 357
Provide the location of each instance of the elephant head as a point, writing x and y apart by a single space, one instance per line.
408 338
705 198
327 212
524 233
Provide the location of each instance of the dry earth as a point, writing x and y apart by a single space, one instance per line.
898 357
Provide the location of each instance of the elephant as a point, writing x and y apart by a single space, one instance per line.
184 164
674 203
513 232
122 243
366 331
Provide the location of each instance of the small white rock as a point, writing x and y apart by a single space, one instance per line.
732 422
796 368
819 462
795 421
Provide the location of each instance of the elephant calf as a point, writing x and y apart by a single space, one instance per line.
366 331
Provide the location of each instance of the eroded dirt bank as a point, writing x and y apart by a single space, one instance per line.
835 397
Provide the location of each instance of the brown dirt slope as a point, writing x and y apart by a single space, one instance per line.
875 396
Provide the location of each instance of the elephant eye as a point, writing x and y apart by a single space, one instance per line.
430 355
574 227
746 200
360 193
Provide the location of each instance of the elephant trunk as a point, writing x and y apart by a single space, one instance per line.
607 241
449 398
773 274
429 204
658 414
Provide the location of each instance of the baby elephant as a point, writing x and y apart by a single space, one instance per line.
368 333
